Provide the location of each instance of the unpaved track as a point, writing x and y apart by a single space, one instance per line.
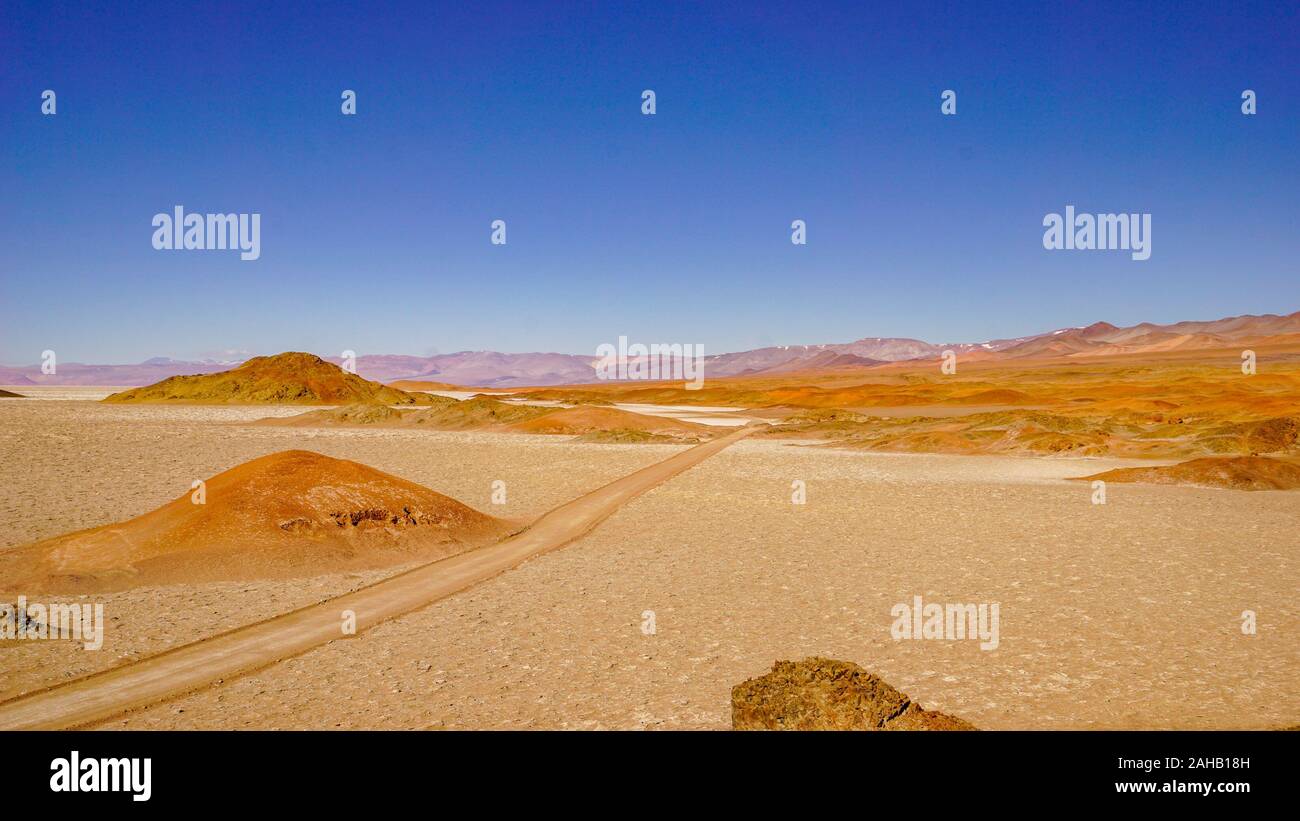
245 649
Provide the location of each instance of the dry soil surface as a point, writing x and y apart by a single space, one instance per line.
1127 614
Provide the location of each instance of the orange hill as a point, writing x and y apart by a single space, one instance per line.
1234 473
293 513
284 379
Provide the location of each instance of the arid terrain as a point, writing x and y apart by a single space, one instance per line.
1123 614
85 464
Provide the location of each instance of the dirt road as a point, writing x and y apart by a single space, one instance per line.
243 650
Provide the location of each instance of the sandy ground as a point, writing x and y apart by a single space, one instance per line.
1119 615
163 677
70 465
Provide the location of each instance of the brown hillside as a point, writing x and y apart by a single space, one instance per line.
293 513
10 395
284 379
1231 472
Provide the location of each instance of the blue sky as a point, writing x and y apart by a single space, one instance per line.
668 228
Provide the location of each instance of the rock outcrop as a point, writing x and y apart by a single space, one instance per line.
825 694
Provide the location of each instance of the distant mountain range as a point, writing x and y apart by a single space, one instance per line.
490 369
143 373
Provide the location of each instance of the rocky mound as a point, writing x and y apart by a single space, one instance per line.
293 513
284 379
824 694
348 415
443 414
10 395
592 424
1230 472
475 413
589 420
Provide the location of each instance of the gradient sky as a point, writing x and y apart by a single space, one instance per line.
671 228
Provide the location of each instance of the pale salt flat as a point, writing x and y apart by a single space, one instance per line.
62 393
462 395
716 416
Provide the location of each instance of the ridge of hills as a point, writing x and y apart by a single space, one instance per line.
492 369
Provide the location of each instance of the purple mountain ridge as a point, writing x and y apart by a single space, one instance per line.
491 369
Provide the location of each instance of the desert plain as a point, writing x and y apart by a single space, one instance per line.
1126 614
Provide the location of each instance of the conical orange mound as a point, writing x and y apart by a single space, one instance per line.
283 379
293 513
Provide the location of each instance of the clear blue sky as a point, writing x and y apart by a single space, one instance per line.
671 228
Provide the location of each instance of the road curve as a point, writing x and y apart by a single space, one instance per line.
184 669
